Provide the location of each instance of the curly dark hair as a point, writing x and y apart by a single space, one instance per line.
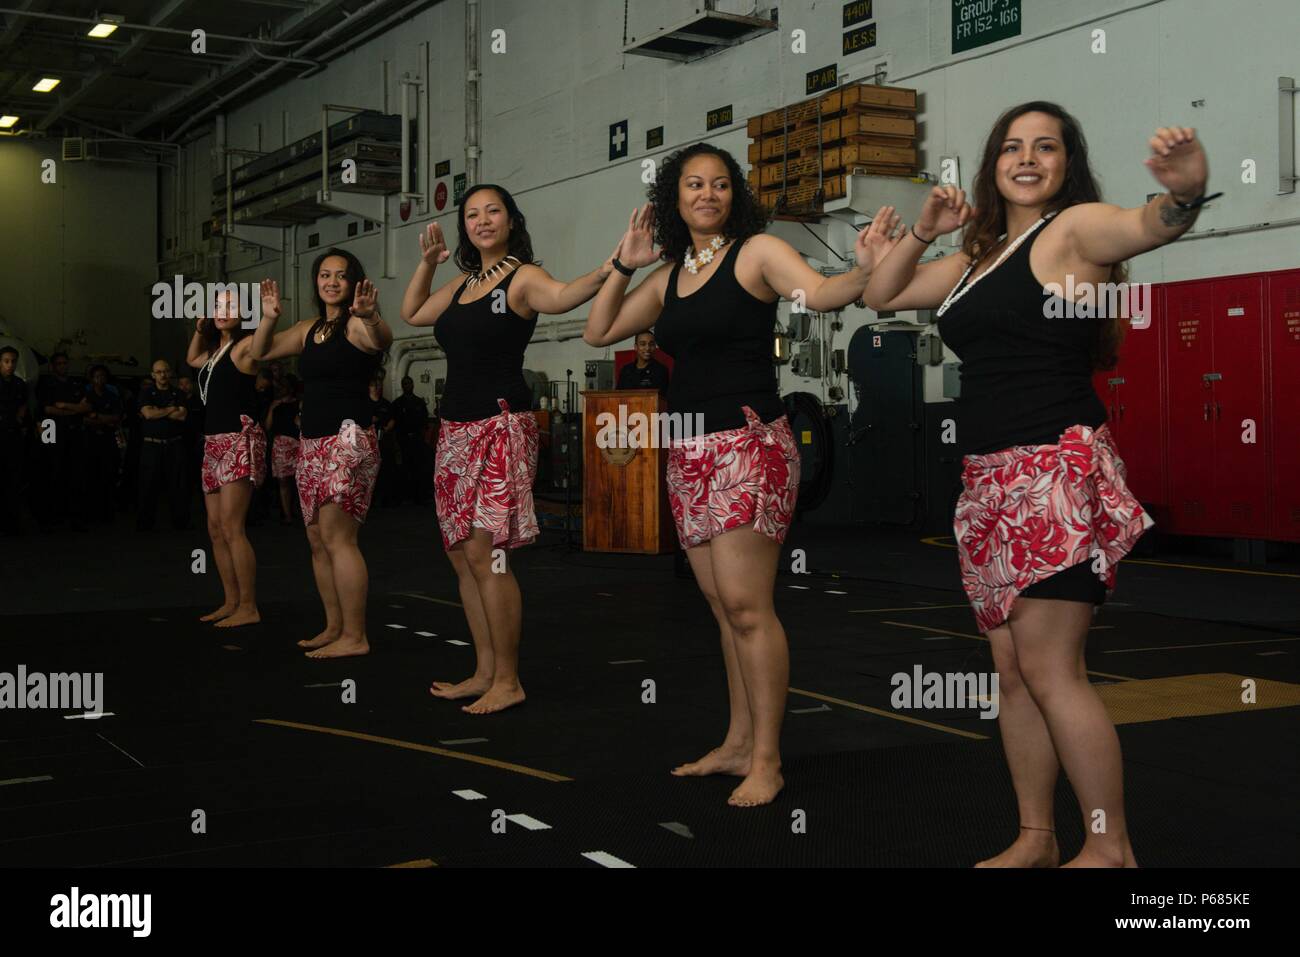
1080 186
747 218
468 258
212 335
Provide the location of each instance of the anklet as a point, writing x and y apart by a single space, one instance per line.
1026 827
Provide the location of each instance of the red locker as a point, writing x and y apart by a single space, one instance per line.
1189 358
1136 412
1239 503
1283 321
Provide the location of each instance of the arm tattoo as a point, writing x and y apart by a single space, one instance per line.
1172 216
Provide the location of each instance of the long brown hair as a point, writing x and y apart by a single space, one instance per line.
989 224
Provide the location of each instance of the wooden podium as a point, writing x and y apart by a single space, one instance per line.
624 492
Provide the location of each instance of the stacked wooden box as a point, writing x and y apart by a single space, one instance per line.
800 155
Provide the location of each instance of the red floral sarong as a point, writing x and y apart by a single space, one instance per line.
731 479
338 468
1028 512
483 478
232 456
285 452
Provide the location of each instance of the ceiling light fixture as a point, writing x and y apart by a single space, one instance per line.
105 26
46 84
7 121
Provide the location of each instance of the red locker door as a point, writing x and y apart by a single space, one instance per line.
1239 505
1188 354
1284 408
1138 416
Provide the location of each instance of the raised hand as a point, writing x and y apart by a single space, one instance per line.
637 248
366 300
433 248
270 300
878 240
1178 162
945 209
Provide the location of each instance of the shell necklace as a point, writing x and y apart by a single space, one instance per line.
955 295
510 261
209 367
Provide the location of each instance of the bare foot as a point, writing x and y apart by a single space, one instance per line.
723 760
343 648
324 638
761 786
497 698
1099 857
225 611
469 688
1030 849
244 616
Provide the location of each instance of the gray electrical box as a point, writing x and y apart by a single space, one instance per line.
600 375
952 380
929 350
807 360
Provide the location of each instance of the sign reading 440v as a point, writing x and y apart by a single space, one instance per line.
977 22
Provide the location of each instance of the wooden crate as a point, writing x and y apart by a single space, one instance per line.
885 130
860 95
799 198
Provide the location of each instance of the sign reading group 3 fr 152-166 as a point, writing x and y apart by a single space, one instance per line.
977 22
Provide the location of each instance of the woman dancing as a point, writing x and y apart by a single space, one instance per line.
486 459
1045 515
339 457
234 451
732 491
286 442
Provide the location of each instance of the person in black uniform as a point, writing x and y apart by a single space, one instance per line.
62 401
162 450
645 372
339 351
732 490
194 437
412 415
387 486
486 460
1045 514
14 421
102 454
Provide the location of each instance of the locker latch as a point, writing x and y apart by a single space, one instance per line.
1212 376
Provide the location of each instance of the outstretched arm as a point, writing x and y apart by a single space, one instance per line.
1103 234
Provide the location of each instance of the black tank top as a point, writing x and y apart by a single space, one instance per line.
720 338
1025 378
336 382
231 393
485 355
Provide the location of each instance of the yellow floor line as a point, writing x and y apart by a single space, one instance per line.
412 746
935 540
438 601
422 862
1212 644
959 634
889 714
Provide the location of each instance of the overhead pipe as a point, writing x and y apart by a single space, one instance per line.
471 93
127 25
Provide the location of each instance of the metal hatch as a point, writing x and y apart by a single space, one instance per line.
708 32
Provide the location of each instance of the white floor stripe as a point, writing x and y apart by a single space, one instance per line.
427 634
128 754
832 591
1266 654
629 661
468 795
800 587
330 684
606 859
455 641
89 715
525 820
41 777
398 627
